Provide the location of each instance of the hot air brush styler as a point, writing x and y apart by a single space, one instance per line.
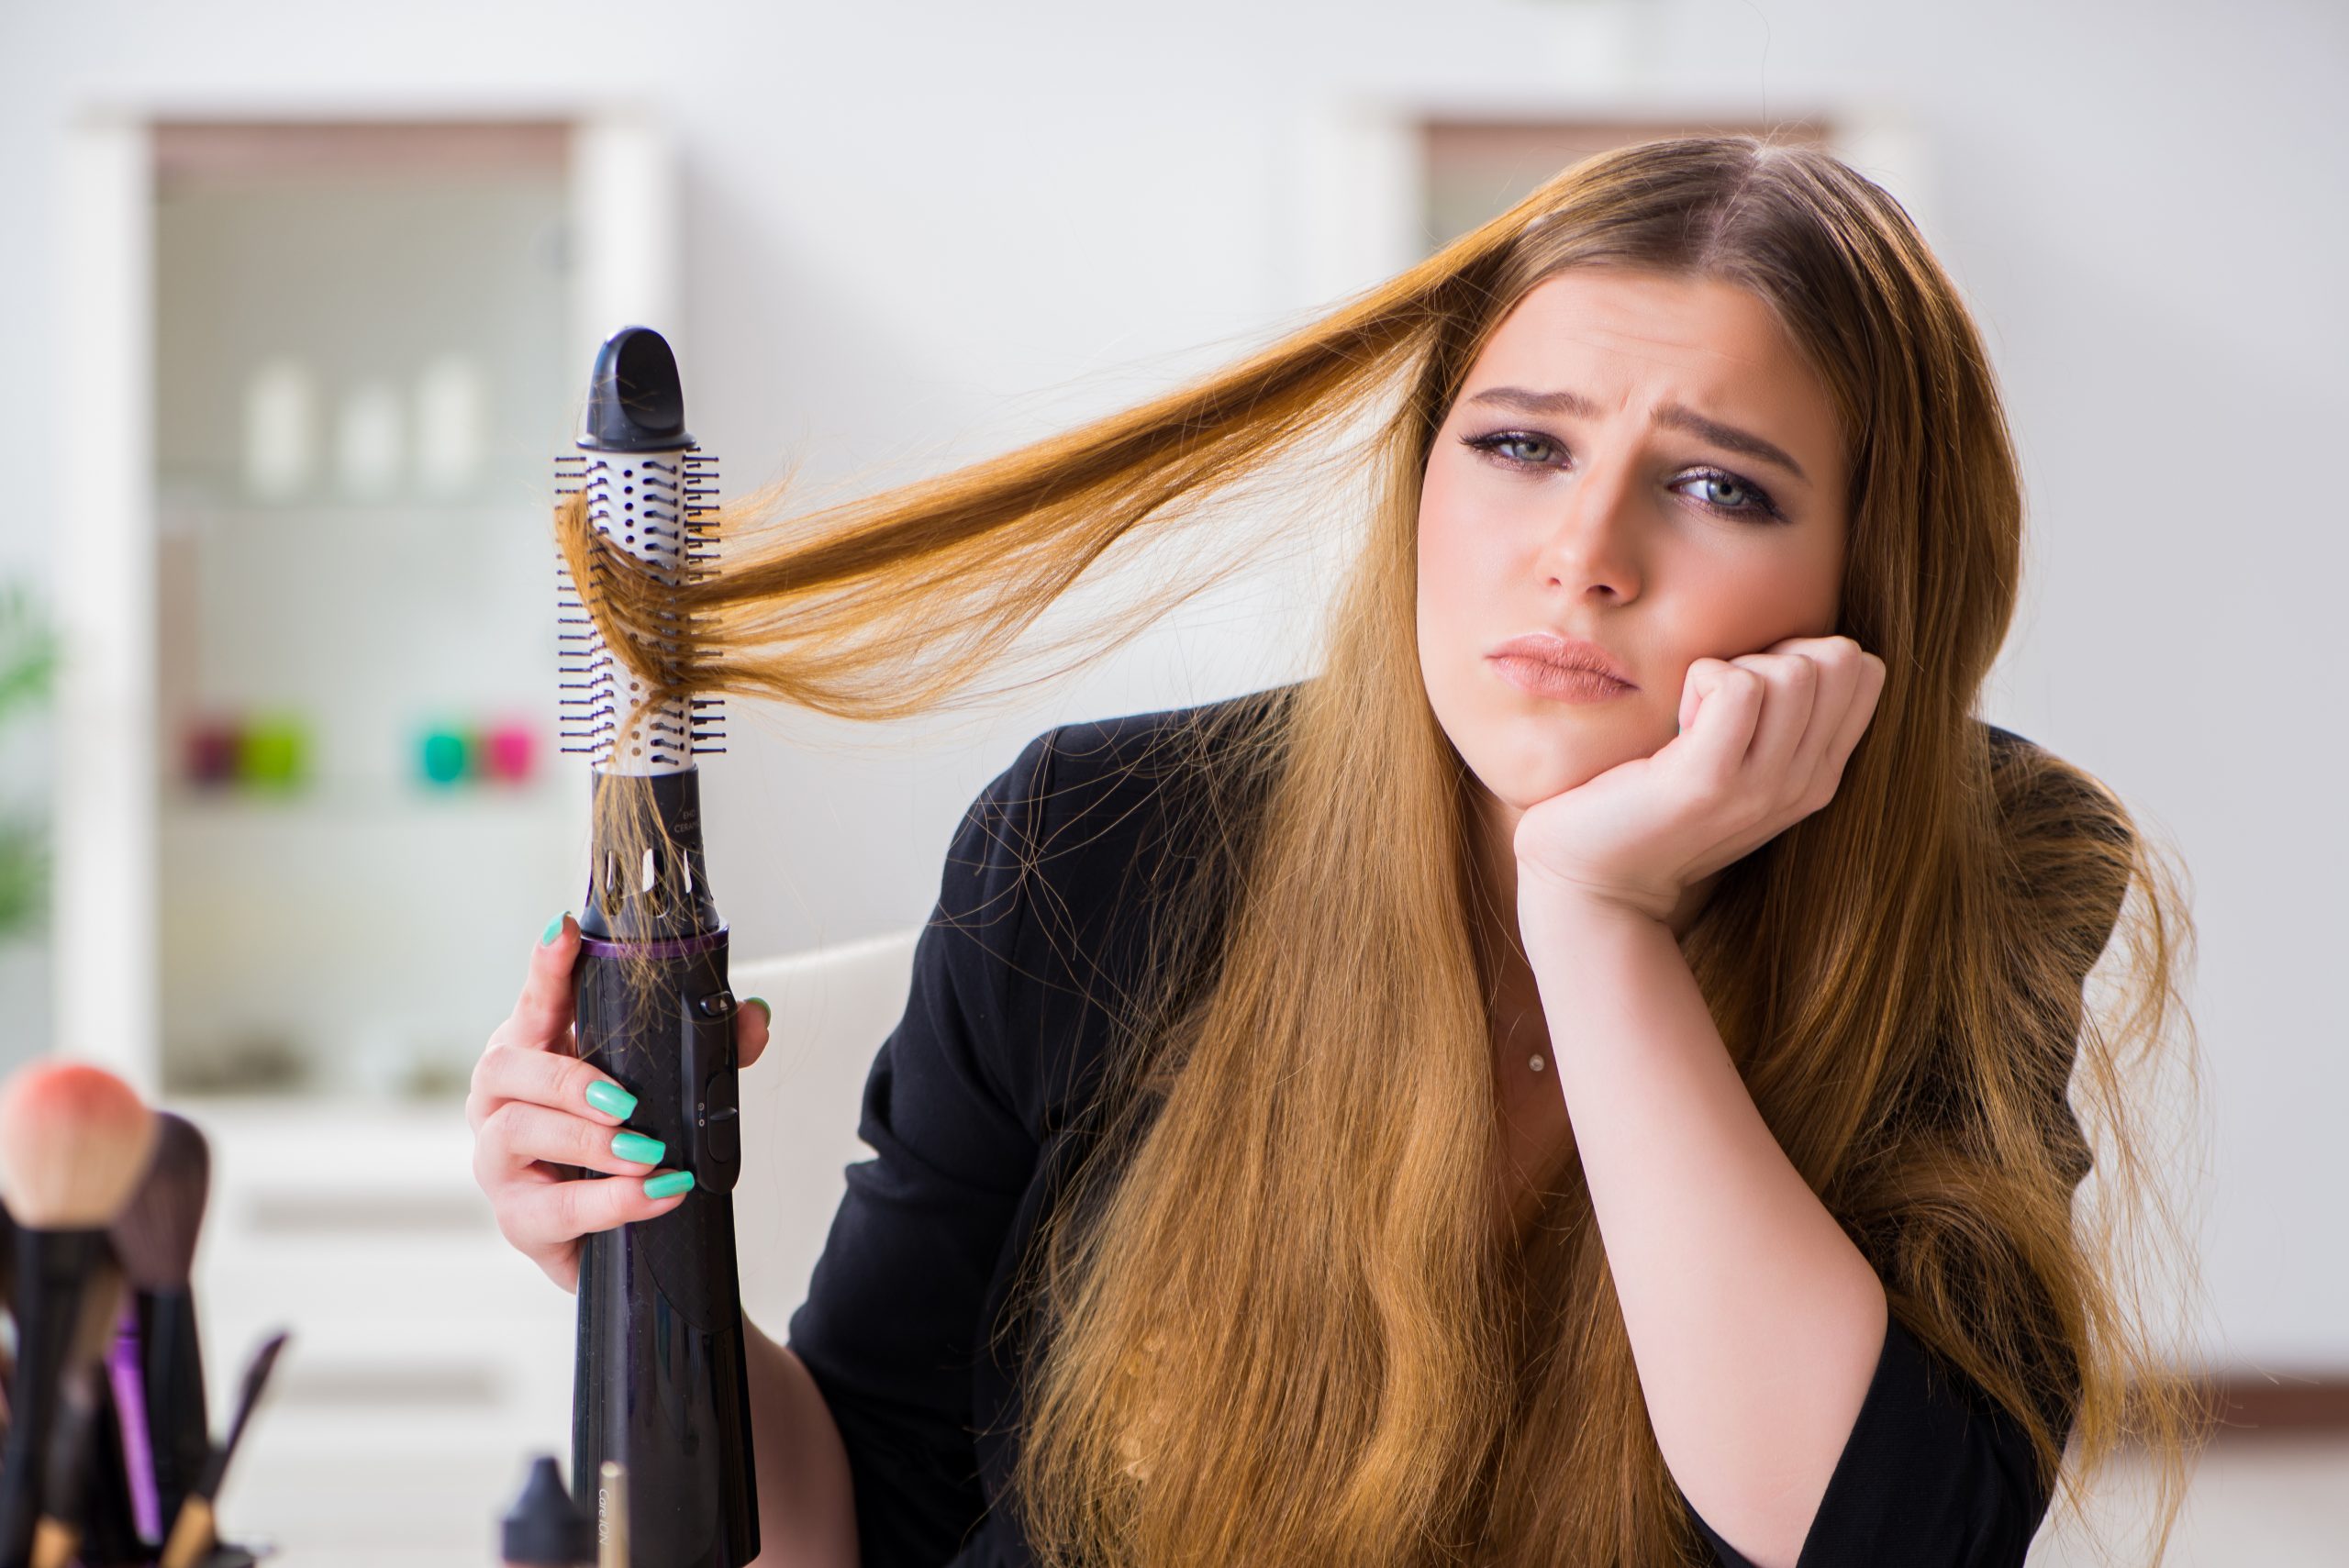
659 1381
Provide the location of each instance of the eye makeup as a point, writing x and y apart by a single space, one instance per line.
1763 509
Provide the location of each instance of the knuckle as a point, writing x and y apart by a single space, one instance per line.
567 1081
499 1068
567 1206
498 1128
511 1225
590 1144
592 1202
532 1026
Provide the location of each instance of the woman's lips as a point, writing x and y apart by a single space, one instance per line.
1555 681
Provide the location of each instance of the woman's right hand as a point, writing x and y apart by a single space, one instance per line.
535 1105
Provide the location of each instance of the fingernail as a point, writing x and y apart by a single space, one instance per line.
554 928
669 1184
760 1004
610 1098
637 1147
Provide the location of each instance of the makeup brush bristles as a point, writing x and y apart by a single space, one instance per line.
74 1140
155 1234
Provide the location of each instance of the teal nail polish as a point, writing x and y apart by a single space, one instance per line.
760 1004
610 1098
637 1147
554 929
668 1184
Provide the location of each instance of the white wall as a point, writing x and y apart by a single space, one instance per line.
923 226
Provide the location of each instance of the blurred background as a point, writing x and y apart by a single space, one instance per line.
306 300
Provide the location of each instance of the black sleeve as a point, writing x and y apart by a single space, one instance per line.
889 1329
1934 1475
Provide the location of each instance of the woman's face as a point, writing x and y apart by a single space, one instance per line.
1632 481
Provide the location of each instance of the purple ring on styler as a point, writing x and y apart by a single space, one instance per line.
667 947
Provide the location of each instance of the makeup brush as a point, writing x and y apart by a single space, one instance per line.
71 1455
7 1271
193 1533
126 1412
155 1236
58 1535
73 1141
114 1526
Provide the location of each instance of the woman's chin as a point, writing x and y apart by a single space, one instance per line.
1552 765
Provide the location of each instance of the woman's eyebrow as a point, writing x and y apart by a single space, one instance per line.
1672 416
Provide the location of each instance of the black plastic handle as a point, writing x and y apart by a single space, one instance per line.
661 1381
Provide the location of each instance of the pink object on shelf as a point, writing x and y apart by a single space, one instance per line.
210 751
510 749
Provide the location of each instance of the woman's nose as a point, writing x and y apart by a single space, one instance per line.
1593 533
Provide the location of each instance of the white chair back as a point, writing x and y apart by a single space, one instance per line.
833 1006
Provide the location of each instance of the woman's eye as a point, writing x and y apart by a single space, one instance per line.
1506 439
1748 499
1732 497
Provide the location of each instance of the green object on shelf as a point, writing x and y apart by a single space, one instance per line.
274 752
444 756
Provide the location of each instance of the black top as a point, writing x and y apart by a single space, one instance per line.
970 1109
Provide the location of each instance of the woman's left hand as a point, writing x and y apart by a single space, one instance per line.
1762 741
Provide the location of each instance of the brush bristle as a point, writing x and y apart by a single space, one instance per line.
155 1233
73 1143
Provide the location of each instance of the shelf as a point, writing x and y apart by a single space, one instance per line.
233 510
343 804
343 361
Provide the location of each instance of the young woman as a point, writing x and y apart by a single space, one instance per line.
1584 1078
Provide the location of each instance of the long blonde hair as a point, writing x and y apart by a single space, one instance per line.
1281 1323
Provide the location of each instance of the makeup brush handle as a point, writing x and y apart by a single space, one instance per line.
53 1272
54 1544
191 1534
126 1376
110 1514
172 1366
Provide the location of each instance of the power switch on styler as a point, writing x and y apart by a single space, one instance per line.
714 1142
